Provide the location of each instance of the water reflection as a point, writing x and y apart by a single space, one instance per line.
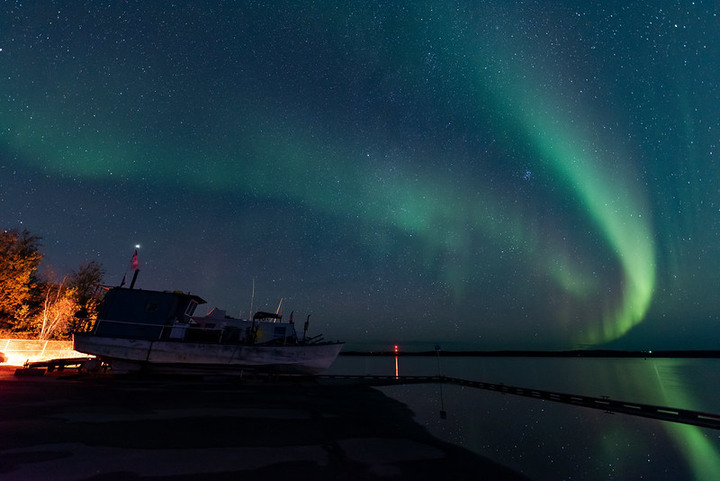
397 370
699 450
551 441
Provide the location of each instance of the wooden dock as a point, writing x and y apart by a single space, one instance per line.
664 413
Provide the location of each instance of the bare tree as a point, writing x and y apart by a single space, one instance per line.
59 308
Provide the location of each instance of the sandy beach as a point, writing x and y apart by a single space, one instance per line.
63 426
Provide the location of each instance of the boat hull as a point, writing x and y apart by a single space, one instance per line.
130 354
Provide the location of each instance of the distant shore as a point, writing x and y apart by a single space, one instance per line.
571 353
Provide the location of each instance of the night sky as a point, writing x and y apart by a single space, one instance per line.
486 175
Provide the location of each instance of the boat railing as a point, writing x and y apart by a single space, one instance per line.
171 332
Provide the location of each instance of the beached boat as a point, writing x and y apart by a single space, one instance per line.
141 329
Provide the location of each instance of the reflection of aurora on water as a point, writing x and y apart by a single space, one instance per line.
691 441
552 440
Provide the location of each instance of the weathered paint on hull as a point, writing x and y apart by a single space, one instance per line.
303 359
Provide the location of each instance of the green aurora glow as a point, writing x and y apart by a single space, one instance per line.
480 175
469 151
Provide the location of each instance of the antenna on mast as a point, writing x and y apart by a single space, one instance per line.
252 299
305 330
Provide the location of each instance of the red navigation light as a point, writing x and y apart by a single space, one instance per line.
396 348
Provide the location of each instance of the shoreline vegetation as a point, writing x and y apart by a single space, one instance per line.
591 353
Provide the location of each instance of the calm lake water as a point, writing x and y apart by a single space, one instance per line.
554 441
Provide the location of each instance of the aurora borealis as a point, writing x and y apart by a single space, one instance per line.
478 174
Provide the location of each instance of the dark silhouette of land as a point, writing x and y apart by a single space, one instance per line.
570 353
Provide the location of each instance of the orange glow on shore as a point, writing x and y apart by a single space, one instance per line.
15 360
19 351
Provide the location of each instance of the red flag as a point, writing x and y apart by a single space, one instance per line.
135 261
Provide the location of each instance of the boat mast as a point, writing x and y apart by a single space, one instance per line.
132 283
135 266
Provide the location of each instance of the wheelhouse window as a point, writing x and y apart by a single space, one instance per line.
191 308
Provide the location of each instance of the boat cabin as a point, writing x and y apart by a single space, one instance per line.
269 328
217 326
142 314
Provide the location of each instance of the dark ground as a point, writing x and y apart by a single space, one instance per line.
116 428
